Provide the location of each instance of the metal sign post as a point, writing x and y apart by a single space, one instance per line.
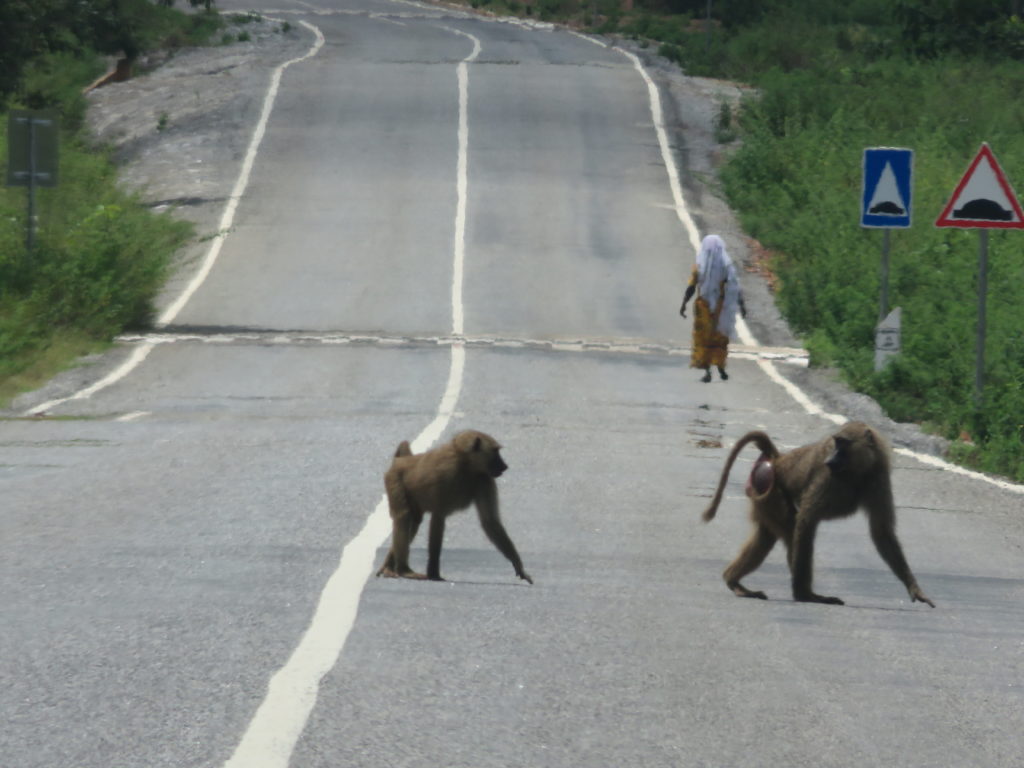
883 301
983 200
32 157
979 349
886 197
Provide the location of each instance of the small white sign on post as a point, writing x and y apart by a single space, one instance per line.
887 339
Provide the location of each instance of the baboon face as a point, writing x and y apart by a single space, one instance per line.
857 450
483 451
497 465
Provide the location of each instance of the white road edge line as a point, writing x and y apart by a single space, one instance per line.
275 729
742 330
228 217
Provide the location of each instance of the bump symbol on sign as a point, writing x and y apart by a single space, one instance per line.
887 200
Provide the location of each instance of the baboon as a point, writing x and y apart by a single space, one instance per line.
791 493
442 481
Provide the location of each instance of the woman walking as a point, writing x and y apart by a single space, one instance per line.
718 297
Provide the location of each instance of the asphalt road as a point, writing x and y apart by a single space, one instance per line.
166 541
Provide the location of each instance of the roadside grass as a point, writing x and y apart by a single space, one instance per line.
99 256
31 369
98 260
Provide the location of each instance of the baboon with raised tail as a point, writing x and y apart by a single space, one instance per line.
791 493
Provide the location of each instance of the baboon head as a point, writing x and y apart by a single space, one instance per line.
857 449
482 451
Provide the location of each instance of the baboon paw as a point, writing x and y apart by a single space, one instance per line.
917 596
525 576
740 591
811 597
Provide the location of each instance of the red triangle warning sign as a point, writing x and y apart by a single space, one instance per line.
983 199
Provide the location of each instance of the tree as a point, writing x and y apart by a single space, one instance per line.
932 28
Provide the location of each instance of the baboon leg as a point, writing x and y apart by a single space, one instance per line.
748 560
801 562
882 520
387 568
403 536
406 521
437 521
490 521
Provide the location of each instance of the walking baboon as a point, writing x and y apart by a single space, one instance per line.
442 481
791 493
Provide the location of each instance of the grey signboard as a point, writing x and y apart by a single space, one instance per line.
32 148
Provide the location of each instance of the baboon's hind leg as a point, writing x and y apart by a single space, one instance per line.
749 560
404 528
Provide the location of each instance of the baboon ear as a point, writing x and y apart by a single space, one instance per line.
477 443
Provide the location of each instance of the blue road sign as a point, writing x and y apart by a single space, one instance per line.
888 187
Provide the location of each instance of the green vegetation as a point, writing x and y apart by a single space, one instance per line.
796 183
936 76
890 79
834 77
99 256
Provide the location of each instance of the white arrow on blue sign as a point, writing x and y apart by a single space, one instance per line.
888 187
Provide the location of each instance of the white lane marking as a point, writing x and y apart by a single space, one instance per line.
679 202
132 416
275 729
938 463
241 183
227 218
743 331
462 183
134 359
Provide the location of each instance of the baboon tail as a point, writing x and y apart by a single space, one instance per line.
403 449
763 442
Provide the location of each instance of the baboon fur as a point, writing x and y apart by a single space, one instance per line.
442 481
826 480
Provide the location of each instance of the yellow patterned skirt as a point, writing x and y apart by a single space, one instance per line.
709 346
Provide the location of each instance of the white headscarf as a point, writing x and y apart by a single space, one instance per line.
713 267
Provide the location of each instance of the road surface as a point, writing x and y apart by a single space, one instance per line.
453 222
